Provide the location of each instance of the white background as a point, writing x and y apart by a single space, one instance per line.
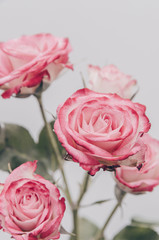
121 32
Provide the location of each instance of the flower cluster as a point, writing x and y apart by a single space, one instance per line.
100 127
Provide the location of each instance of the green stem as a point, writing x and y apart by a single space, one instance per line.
100 233
55 147
83 189
76 209
76 224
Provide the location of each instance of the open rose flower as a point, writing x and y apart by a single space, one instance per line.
30 207
101 130
130 179
110 79
27 62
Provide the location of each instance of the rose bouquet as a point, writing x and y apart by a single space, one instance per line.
98 127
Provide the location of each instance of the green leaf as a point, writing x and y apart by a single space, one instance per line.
9 156
42 169
97 202
87 230
136 233
2 137
17 147
45 147
17 137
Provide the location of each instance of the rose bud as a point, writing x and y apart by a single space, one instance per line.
110 79
101 130
133 180
31 62
30 207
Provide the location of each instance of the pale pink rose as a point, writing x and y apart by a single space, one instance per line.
110 79
27 62
131 179
101 130
30 207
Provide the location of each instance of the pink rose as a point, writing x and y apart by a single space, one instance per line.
31 60
30 207
101 130
109 79
130 179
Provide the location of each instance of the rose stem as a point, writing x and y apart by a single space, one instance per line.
55 147
83 189
101 231
76 224
75 211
